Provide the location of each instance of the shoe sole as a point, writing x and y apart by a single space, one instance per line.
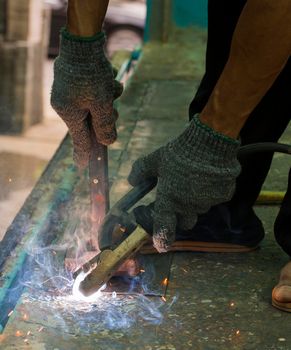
208 247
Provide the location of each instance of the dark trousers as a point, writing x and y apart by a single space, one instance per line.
266 123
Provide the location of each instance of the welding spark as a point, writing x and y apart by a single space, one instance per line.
2 337
77 295
165 281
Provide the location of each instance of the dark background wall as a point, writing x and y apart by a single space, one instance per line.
2 16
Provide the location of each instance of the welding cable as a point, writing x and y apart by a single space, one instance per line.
264 147
266 197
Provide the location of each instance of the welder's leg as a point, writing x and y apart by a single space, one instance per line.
266 123
281 296
282 227
222 18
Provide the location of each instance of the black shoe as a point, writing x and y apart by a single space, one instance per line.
215 229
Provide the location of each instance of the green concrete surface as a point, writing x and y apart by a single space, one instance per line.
213 301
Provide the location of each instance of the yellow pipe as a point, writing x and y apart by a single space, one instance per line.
270 197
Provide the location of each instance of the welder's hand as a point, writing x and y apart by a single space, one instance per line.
195 171
84 82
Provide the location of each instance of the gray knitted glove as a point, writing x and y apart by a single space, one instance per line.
195 171
84 82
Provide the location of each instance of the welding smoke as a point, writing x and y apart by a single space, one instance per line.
50 288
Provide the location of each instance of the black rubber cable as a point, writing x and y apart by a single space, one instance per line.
264 147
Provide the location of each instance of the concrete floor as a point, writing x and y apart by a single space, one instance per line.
23 158
213 301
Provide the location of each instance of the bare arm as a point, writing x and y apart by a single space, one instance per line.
260 48
85 17
84 79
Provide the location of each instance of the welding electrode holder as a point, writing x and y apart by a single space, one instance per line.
109 260
118 224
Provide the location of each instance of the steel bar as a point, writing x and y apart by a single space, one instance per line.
99 183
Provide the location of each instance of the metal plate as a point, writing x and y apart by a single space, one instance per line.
152 281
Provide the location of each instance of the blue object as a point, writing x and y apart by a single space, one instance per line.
189 12
184 13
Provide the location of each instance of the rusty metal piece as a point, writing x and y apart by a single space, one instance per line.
99 185
154 271
109 261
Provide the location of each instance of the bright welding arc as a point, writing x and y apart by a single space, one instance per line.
78 295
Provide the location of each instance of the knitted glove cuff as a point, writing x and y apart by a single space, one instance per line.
81 50
200 142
